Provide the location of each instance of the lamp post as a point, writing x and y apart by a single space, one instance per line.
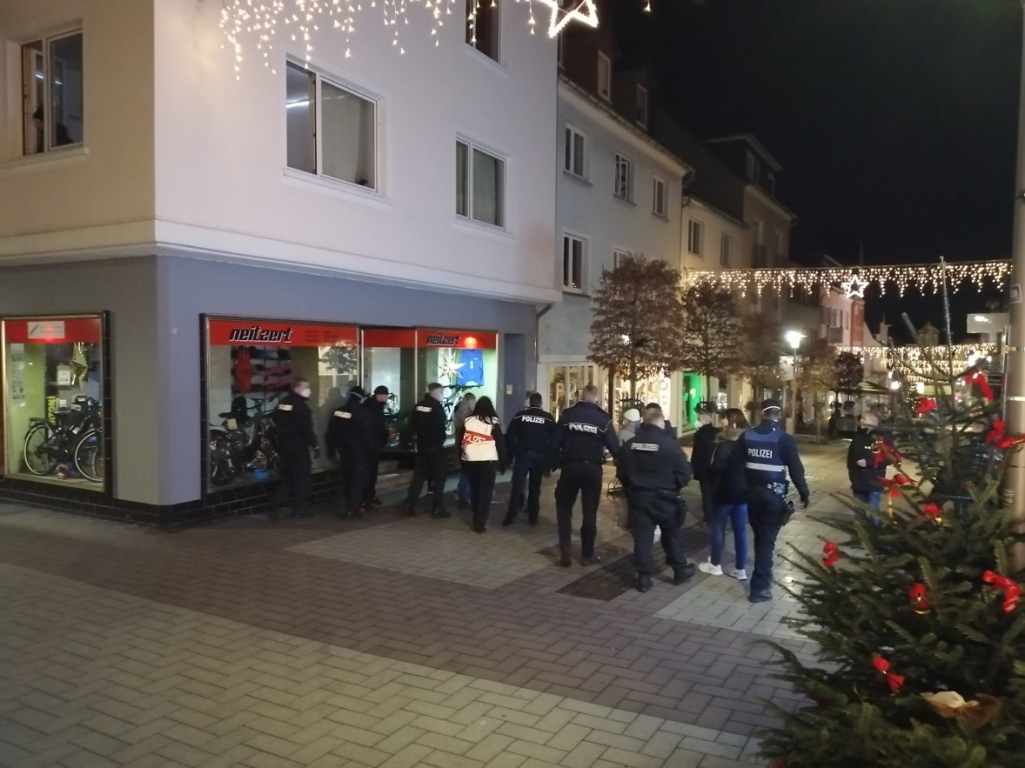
793 338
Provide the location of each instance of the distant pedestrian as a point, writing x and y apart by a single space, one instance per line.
865 467
293 424
769 453
727 488
375 407
583 435
462 411
428 423
483 452
834 419
669 428
631 420
350 438
529 441
701 458
653 469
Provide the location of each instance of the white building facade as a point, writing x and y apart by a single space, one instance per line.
175 237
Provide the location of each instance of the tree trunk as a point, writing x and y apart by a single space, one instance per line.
708 389
612 393
633 379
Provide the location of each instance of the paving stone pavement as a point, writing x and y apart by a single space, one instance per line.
388 642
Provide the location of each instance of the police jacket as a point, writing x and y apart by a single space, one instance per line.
865 479
583 433
531 430
769 452
378 425
701 455
350 430
428 423
483 441
653 461
293 420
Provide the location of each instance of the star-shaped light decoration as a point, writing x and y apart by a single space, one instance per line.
584 12
448 368
855 287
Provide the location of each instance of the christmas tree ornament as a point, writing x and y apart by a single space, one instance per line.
901 479
919 603
883 666
926 405
932 512
976 713
830 554
1011 589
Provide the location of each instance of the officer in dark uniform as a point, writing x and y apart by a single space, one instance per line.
428 424
349 433
293 423
528 441
374 407
653 469
768 453
578 450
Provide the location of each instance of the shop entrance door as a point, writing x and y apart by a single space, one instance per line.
566 384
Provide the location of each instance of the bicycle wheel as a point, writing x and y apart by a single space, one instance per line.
224 467
88 456
39 460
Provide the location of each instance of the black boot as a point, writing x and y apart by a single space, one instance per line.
644 582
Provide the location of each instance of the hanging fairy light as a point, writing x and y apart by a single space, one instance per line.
926 277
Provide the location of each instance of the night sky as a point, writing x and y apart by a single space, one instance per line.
895 120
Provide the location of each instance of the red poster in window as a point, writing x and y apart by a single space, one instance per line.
456 339
262 333
392 338
53 330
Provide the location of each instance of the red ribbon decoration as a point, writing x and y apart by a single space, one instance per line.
831 553
925 405
918 593
885 453
901 479
932 511
996 434
881 664
892 485
1011 589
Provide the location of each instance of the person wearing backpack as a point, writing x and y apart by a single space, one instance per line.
727 490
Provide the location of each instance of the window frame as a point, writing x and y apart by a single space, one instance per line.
319 78
46 42
568 238
570 132
725 249
642 106
695 237
617 255
607 93
656 183
494 28
626 162
472 147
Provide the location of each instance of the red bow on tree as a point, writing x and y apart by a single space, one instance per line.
998 436
925 405
933 511
884 453
978 378
918 593
831 553
892 485
1011 590
901 479
881 664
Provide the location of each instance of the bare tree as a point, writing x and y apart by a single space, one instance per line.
760 353
711 332
637 317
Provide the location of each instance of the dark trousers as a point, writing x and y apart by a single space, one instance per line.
354 475
430 463
649 512
706 500
294 483
527 471
584 478
373 460
482 489
766 512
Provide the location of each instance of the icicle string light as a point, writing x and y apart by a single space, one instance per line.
928 278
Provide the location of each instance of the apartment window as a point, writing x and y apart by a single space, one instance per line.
482 26
725 250
574 251
658 197
770 182
574 162
480 185
52 93
752 167
559 50
780 246
331 130
642 106
604 77
695 231
624 178
618 256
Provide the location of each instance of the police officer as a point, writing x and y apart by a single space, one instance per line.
428 424
768 453
528 441
293 423
578 449
653 469
374 407
349 433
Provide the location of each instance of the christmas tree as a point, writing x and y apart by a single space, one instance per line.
916 609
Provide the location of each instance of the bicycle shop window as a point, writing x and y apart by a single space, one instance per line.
251 364
53 400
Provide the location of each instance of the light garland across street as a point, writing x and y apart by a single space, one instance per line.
925 363
854 280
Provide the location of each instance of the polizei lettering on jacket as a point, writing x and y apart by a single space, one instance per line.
441 340
533 419
256 333
576 426
759 453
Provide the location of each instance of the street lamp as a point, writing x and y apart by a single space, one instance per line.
793 338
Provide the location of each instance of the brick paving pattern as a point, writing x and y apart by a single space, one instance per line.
388 642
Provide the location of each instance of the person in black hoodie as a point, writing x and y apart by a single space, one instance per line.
379 426
701 457
862 466
428 422
350 437
727 491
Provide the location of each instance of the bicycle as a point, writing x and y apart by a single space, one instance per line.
74 437
241 442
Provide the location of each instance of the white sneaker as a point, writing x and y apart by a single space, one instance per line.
739 574
711 570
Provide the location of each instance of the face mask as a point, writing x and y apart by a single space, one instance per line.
305 392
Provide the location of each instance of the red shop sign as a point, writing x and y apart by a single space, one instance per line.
456 339
260 333
392 338
53 330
